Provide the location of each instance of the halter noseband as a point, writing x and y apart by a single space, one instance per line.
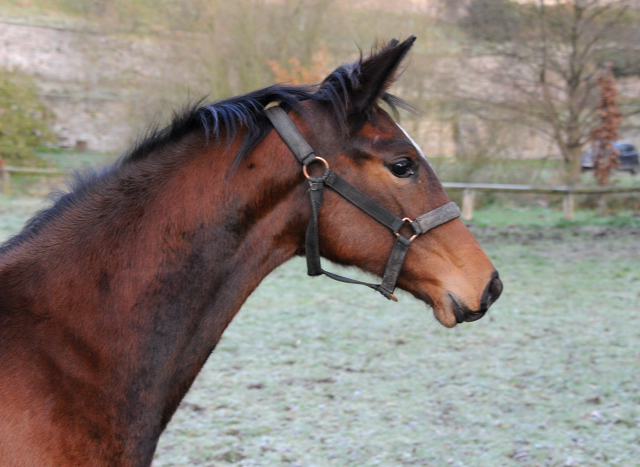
305 155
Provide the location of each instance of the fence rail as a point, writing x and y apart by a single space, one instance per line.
568 192
468 196
7 170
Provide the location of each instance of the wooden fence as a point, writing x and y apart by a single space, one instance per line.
568 192
468 196
7 170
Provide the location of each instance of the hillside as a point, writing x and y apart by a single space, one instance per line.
109 69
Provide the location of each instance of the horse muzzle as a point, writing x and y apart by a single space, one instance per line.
491 293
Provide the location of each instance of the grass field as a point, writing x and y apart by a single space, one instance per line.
550 377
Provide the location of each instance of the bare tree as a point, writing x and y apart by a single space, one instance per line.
161 54
538 64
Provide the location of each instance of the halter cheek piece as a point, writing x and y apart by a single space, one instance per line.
305 155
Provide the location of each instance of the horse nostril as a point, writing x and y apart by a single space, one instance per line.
494 290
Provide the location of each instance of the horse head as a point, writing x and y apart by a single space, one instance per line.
351 133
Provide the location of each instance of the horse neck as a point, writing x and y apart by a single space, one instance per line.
147 271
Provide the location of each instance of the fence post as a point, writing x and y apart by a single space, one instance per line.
567 205
468 197
602 205
4 176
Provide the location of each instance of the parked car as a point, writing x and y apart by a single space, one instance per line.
627 157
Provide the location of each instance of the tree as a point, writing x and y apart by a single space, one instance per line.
295 73
492 20
606 133
540 66
24 120
212 48
157 55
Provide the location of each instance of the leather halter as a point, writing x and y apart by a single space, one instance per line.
305 155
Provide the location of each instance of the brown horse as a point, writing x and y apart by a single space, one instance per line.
112 299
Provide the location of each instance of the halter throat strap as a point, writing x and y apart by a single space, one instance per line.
305 155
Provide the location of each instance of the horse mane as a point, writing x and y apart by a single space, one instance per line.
219 120
223 118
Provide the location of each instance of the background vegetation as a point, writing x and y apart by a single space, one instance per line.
24 120
494 74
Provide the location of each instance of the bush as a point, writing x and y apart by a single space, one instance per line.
492 20
24 120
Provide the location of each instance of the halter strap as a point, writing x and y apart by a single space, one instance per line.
436 217
355 196
305 155
290 134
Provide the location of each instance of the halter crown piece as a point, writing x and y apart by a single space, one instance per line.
305 155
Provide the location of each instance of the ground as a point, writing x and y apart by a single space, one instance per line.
549 377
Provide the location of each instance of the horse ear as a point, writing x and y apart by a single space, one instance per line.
376 74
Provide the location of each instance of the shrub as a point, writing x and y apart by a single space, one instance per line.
24 120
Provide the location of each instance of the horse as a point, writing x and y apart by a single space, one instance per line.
112 299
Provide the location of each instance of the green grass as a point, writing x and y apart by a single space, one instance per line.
15 212
549 378
503 216
316 373
70 159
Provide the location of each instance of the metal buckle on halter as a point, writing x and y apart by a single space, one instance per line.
304 167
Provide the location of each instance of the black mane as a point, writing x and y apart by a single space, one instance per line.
217 120
223 118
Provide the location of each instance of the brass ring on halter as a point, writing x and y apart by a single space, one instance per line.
304 167
406 219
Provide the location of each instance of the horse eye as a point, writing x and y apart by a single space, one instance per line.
401 168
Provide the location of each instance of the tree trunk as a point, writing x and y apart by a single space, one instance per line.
574 165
